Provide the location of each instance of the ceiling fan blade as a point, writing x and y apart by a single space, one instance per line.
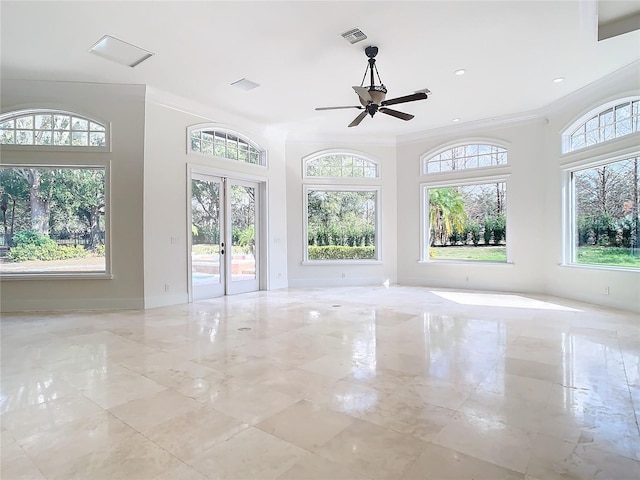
396 113
363 93
340 108
407 98
358 119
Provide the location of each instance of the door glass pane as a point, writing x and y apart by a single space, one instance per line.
243 233
205 232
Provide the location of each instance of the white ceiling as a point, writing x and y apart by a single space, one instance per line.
512 51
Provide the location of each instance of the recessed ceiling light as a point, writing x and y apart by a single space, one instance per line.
455 120
120 52
460 71
558 80
244 84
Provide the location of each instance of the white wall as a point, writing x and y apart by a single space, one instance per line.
149 202
534 225
525 212
165 194
348 273
123 106
587 284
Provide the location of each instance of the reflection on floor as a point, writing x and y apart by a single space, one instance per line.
349 383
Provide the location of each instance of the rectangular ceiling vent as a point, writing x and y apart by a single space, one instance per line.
354 35
116 50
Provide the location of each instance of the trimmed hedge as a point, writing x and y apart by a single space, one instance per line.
47 251
337 252
30 245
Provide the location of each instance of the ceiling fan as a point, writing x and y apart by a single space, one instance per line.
372 98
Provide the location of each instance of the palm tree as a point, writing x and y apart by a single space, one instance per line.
446 213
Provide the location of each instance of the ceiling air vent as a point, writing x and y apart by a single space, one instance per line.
354 35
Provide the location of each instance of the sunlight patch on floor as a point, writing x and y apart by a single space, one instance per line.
500 300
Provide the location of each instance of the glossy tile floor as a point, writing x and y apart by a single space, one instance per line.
349 383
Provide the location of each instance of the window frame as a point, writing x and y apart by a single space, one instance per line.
72 164
595 112
341 184
12 114
459 181
461 177
325 187
583 159
335 152
263 157
426 157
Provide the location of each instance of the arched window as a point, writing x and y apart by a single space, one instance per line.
54 210
341 208
613 120
340 165
462 157
601 216
218 142
51 128
464 218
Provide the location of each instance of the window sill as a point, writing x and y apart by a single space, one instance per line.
55 276
341 262
463 262
606 268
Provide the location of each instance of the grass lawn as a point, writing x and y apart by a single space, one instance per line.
480 254
611 256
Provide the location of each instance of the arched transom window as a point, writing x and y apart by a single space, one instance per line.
343 165
226 144
464 157
615 121
51 128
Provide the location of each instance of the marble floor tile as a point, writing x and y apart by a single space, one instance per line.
298 383
329 383
252 403
410 416
16 465
33 419
134 456
54 450
313 467
146 412
251 454
562 460
189 434
120 388
306 425
181 472
488 440
440 463
377 452
32 388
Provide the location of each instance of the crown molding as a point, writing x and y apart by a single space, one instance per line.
533 116
307 138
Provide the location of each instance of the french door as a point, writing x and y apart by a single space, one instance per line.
224 236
